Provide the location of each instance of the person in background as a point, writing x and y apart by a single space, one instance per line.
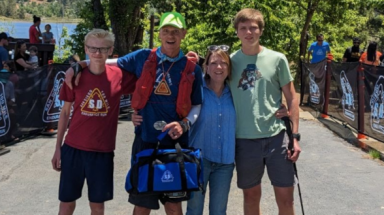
33 58
6 76
382 60
371 56
6 72
3 51
353 53
34 30
47 35
21 58
318 49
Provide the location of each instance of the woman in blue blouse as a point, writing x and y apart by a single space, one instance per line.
214 133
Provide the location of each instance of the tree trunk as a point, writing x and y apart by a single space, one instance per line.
311 8
98 16
125 16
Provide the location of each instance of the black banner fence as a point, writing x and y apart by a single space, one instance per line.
29 101
314 76
350 92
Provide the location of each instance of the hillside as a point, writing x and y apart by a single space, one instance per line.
46 9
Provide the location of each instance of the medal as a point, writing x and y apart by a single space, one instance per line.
163 88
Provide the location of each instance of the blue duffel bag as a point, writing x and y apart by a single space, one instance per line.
165 170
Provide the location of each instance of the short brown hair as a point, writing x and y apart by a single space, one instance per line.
249 14
222 54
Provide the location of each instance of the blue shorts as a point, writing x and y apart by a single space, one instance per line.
78 165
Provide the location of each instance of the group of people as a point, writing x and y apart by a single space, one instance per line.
235 126
371 57
320 49
35 35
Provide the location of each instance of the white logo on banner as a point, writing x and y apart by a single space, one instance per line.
377 106
5 122
52 108
125 101
347 100
314 90
167 176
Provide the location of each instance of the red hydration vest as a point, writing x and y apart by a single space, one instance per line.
144 85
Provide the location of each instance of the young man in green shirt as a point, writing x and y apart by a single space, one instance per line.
259 78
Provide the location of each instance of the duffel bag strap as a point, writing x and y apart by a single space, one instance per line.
150 167
180 160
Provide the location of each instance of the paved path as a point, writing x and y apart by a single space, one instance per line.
336 178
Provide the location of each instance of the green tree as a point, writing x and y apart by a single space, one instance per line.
11 9
126 22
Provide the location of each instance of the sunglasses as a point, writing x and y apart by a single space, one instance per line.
217 47
100 49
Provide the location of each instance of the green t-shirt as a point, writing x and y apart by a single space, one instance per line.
256 84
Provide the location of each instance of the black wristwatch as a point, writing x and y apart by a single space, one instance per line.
184 125
296 136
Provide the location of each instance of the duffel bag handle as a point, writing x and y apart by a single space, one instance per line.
180 160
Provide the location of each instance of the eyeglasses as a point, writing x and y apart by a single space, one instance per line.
217 47
100 49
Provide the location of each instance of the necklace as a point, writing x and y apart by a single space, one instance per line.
163 88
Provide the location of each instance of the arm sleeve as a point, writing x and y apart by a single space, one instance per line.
194 113
112 62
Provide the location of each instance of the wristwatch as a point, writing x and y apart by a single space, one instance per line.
184 124
296 136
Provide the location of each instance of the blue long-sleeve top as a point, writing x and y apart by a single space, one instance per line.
214 129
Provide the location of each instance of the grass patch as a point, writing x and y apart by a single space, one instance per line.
374 154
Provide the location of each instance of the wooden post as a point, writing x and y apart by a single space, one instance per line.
360 126
327 86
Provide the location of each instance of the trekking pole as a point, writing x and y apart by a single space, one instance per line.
288 126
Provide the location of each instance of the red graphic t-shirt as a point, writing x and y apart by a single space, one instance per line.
96 102
32 34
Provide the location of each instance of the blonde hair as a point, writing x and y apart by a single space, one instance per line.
101 34
222 54
249 14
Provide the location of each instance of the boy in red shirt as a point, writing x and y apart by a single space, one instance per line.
88 149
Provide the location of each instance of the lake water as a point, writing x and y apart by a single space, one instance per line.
20 29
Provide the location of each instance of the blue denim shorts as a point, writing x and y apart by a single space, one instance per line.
252 155
78 166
